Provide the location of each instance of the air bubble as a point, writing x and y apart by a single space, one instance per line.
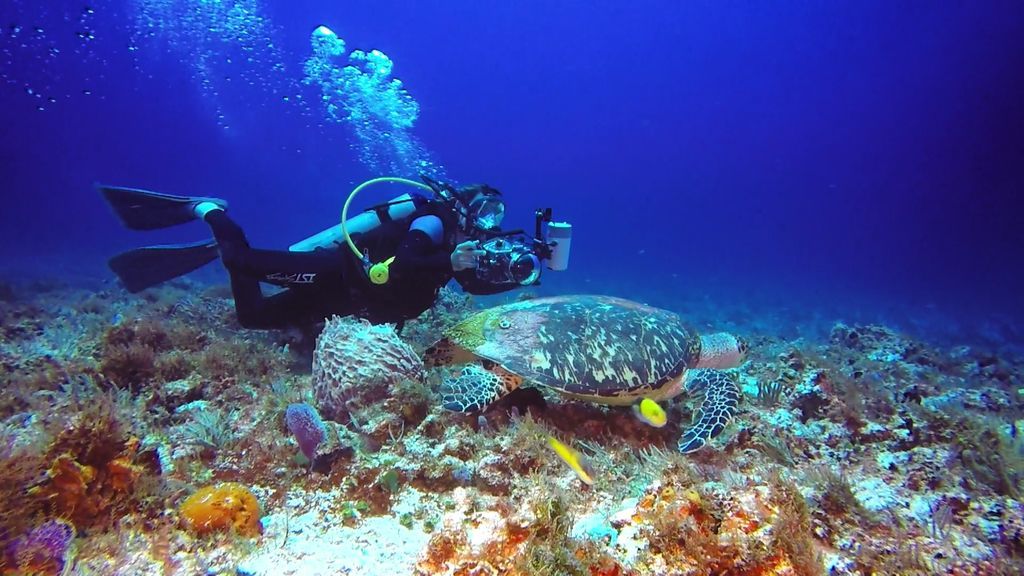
363 95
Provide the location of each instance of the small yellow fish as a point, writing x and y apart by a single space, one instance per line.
650 412
573 459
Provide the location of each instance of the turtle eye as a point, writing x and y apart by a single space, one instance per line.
504 324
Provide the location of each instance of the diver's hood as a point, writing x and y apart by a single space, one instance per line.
466 194
482 206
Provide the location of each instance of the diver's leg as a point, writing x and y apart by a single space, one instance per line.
274 266
245 287
248 266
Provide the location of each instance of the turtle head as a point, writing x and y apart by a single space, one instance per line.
498 333
470 333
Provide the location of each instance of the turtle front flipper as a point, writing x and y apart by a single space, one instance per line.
720 404
477 387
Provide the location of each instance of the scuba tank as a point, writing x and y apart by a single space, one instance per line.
333 238
397 208
337 237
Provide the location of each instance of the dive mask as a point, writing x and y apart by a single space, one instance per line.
487 211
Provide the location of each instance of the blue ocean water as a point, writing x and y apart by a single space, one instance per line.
787 162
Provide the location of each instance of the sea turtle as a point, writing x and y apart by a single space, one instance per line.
592 348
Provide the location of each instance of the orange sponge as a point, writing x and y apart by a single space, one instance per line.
222 507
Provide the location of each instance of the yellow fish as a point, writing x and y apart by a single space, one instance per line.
650 412
573 458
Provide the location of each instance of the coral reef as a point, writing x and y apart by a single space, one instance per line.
150 434
91 479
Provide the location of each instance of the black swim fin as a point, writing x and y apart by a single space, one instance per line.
148 266
144 210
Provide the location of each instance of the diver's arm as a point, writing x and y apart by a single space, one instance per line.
422 250
419 253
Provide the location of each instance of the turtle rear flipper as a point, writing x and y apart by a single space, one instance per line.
721 399
477 387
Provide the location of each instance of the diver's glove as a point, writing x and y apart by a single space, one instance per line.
466 255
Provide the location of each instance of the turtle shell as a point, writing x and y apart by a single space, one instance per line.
597 347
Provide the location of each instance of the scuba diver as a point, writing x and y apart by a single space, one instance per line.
386 264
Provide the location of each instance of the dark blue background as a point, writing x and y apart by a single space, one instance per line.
848 156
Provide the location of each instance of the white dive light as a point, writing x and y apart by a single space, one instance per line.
560 237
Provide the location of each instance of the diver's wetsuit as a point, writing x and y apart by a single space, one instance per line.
327 282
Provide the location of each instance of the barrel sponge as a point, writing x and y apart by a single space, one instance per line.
357 361
722 351
222 507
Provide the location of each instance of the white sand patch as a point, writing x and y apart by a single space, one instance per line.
379 545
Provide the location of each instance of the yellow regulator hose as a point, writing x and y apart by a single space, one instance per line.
378 272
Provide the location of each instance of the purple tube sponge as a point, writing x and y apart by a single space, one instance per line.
304 422
44 549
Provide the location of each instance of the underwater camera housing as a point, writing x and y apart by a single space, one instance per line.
512 257
508 260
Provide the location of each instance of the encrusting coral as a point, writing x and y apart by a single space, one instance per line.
223 507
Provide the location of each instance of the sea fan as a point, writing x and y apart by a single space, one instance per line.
44 549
